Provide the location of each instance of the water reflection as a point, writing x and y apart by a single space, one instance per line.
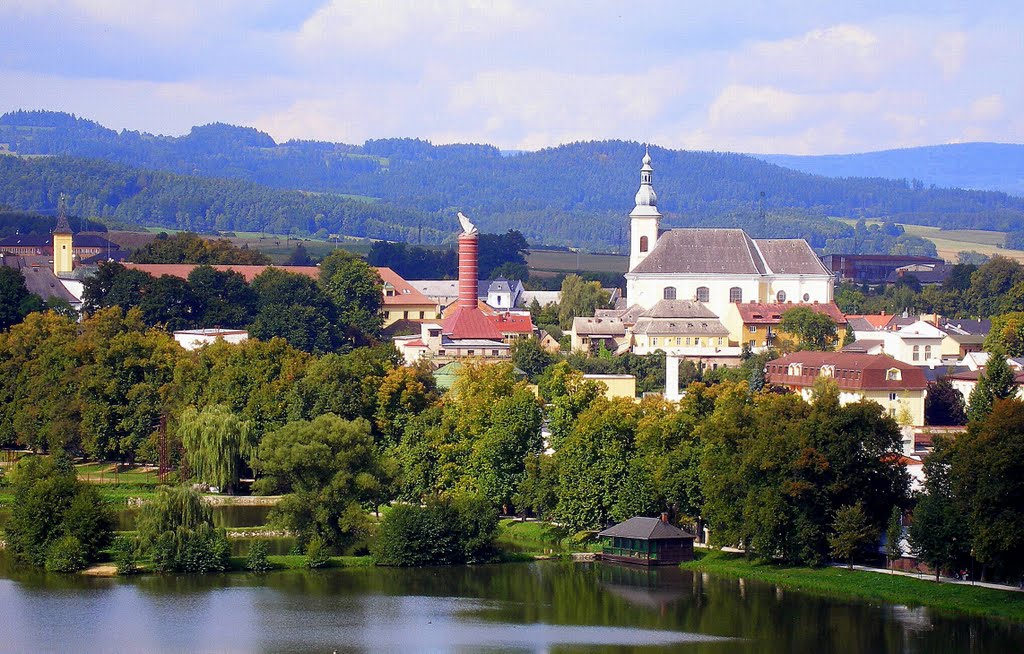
540 607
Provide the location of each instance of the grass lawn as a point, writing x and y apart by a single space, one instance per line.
536 538
893 589
298 562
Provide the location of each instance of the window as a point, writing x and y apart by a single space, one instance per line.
917 353
703 294
753 329
423 314
643 244
471 352
405 315
719 340
927 352
669 293
440 353
893 374
687 340
780 296
494 353
892 397
654 340
807 297
679 341
735 294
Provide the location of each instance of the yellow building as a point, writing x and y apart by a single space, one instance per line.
757 323
616 386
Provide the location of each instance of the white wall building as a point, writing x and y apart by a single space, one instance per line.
716 267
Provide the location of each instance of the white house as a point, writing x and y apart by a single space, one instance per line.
193 339
919 343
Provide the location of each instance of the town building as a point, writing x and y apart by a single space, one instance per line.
646 541
193 339
872 268
899 387
615 385
716 267
756 324
919 343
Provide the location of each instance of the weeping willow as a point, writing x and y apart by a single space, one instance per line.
216 442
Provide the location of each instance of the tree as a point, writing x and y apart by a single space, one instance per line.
299 257
851 532
357 292
329 469
15 300
987 475
814 331
176 530
894 536
939 532
536 492
56 520
991 282
221 298
996 382
1007 334
188 247
404 392
579 298
530 357
217 444
944 405
297 309
446 531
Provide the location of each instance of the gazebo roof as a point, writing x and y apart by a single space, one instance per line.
646 529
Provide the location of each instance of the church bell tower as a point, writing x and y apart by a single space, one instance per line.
62 253
645 218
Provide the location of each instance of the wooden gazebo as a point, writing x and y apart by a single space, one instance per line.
646 541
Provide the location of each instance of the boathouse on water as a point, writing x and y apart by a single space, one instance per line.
646 541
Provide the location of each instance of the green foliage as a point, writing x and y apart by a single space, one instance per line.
329 469
218 445
851 533
256 560
943 404
317 554
987 478
1007 334
65 554
815 331
188 247
536 492
15 300
52 506
357 292
296 308
996 382
939 533
894 535
446 531
530 357
176 530
579 298
125 555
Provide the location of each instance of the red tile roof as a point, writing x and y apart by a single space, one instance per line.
852 371
770 313
513 323
878 321
470 323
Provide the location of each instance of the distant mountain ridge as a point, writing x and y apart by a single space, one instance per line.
979 166
226 177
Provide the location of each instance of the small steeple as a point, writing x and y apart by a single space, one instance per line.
62 220
645 196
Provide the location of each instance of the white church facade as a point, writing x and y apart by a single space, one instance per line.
716 267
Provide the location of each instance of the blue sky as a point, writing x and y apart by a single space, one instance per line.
793 77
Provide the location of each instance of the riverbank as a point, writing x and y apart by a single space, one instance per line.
893 589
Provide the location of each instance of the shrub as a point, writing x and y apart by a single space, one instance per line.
445 532
66 554
125 555
317 555
257 560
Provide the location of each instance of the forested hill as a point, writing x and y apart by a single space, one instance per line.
578 194
982 166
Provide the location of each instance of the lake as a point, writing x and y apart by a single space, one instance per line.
520 607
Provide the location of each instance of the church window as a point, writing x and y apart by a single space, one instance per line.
735 294
807 297
780 296
703 294
643 244
669 293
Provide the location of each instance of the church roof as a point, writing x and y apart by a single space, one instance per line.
790 256
729 252
703 251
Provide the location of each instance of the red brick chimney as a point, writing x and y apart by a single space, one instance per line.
468 270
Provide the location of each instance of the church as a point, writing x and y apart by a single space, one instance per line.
716 267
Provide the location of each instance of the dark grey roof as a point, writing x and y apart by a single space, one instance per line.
583 326
978 327
39 277
703 251
860 324
627 315
683 326
790 256
646 529
862 345
679 309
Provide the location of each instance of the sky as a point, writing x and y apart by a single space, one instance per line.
744 76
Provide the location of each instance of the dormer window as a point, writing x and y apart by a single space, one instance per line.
828 371
893 374
796 369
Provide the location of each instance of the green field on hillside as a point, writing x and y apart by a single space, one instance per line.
950 242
